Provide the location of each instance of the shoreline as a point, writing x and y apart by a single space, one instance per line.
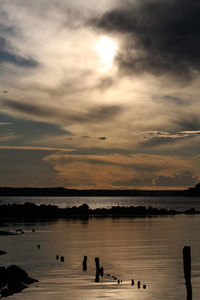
32 211
69 192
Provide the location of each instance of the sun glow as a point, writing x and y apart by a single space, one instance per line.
106 49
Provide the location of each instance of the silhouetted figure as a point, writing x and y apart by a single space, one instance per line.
97 269
57 257
118 281
132 282
138 284
62 258
144 286
38 246
101 271
85 263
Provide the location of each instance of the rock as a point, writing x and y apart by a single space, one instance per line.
15 286
15 272
13 280
3 277
2 252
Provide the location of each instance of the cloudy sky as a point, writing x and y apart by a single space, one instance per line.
100 94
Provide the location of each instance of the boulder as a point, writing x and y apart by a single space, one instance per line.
13 280
16 286
2 252
15 272
3 277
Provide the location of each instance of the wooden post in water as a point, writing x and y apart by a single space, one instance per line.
97 269
187 271
85 263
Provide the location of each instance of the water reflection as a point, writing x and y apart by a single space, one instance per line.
146 250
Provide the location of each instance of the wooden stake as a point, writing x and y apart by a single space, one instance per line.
97 269
187 271
85 263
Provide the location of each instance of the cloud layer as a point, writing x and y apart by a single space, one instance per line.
134 125
121 171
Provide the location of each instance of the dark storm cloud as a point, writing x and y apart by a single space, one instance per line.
93 115
9 57
160 37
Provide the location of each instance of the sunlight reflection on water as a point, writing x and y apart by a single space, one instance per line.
177 203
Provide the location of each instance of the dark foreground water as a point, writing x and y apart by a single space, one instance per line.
145 249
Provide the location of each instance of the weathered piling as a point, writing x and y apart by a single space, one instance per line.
97 269
132 282
85 263
187 271
62 258
138 284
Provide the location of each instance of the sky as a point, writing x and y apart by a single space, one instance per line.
100 94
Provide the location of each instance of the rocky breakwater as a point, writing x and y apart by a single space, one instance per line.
13 280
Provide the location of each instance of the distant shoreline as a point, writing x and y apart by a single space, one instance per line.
64 192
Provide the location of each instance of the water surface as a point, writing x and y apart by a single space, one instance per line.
145 249
177 203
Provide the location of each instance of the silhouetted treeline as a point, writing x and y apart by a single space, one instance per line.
33 211
194 191
60 191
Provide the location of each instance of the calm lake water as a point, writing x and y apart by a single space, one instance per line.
178 203
145 249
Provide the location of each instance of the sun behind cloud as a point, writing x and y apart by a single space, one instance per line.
106 49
